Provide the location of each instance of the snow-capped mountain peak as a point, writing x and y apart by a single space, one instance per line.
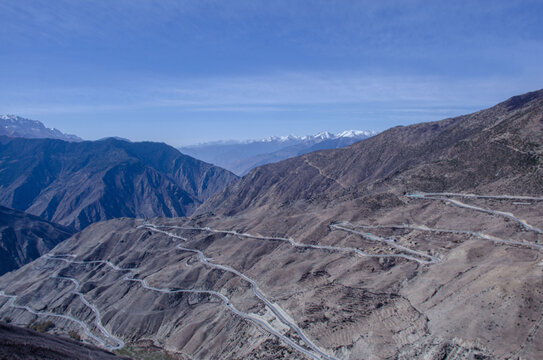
241 156
16 126
324 135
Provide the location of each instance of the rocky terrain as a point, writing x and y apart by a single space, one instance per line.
423 242
78 183
16 126
24 238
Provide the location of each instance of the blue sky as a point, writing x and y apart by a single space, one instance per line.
184 72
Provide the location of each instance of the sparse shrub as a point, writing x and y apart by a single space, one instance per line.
74 335
533 158
42 326
7 320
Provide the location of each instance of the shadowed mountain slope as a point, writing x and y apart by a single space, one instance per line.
75 184
23 344
24 238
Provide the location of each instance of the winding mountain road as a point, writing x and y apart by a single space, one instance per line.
443 197
106 262
355 251
13 298
451 231
97 317
258 293
259 322
314 354
306 160
496 197
390 242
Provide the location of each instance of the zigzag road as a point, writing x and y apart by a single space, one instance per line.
443 197
13 298
389 241
495 197
256 290
98 320
463 232
119 343
260 323
97 317
432 260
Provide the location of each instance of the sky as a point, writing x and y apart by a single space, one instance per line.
186 72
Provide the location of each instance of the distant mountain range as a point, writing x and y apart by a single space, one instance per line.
77 183
16 126
242 156
238 157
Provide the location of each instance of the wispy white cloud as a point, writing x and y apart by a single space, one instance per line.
277 92
293 89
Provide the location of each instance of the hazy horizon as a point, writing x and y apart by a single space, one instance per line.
186 73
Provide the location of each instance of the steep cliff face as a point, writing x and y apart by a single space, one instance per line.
76 184
24 238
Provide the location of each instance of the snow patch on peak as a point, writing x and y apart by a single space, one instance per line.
355 133
324 135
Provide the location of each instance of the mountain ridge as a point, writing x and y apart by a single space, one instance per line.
77 183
